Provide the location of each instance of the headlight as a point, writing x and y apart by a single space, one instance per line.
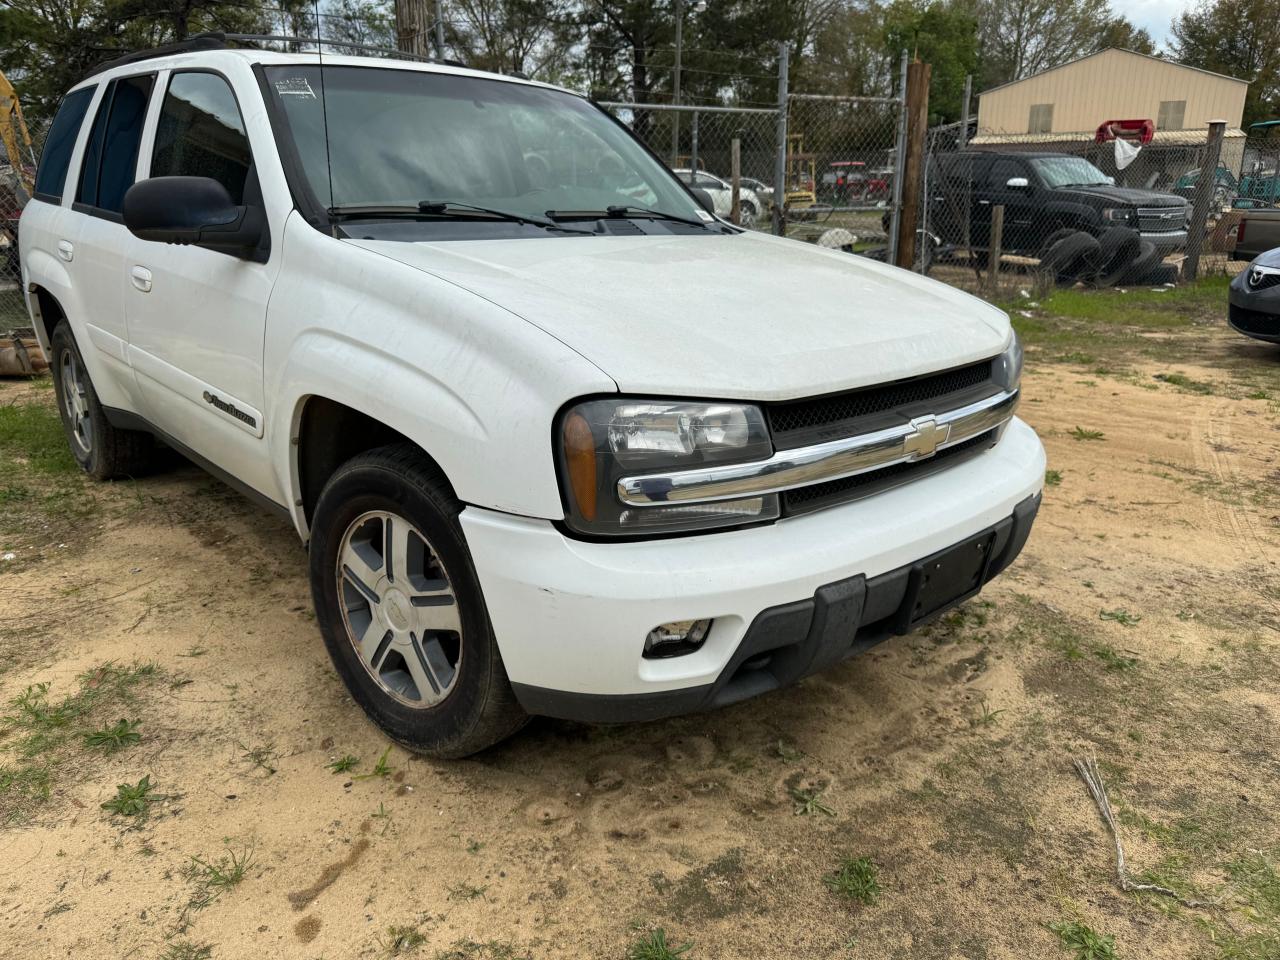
1117 213
602 441
1008 366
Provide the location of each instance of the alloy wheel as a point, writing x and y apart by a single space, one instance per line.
75 400
399 609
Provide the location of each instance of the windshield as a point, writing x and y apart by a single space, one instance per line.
401 137
1068 172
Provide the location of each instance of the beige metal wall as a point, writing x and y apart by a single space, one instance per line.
1112 85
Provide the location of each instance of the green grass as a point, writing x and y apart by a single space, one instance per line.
654 946
855 879
213 878
1120 616
1080 433
402 939
1140 306
114 738
133 799
1083 942
31 434
43 734
1185 383
343 764
809 802
380 769
1052 478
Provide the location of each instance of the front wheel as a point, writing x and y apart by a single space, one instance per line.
400 606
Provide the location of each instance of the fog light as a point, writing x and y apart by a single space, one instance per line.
675 639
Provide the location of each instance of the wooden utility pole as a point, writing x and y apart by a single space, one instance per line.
917 108
997 245
1203 199
413 21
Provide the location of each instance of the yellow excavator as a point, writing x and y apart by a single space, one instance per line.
15 137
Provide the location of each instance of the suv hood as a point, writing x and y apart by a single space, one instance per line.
1126 196
748 316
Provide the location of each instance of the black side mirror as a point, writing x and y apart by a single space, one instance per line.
704 200
196 211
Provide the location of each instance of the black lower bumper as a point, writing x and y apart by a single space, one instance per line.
841 620
1259 324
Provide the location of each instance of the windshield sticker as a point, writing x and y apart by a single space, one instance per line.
704 216
294 87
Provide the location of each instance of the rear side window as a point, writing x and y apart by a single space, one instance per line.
111 157
55 158
201 134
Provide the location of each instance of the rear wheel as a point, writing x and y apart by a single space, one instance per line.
103 451
400 606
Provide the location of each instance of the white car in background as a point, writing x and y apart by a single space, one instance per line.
721 193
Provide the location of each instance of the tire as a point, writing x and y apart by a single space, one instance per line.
1118 247
1148 259
103 451
461 700
1071 258
1060 234
1158 275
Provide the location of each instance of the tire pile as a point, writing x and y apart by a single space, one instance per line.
1117 256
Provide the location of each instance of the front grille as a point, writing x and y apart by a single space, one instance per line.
798 422
822 495
1153 219
1268 280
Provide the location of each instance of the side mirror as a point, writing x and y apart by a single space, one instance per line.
196 211
1017 183
704 200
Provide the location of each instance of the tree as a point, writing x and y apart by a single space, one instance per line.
1122 34
1018 38
1240 38
944 34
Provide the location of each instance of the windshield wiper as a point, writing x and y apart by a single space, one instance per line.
621 213
442 209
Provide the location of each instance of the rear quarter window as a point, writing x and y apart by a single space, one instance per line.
55 158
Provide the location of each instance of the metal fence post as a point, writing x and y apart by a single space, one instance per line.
780 160
964 112
899 158
1204 194
693 148
735 179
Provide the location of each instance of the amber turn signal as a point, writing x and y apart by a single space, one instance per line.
580 458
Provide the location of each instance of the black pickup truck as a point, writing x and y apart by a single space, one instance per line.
1043 194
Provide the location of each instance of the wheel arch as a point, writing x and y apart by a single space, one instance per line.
326 434
46 313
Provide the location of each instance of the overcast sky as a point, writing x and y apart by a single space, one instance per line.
1154 16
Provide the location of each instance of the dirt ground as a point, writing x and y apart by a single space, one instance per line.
1141 626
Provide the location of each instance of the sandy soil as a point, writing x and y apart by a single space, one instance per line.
945 757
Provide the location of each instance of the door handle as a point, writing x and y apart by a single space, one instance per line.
141 278
66 250
985 203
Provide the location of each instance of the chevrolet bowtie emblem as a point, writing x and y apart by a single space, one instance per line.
925 438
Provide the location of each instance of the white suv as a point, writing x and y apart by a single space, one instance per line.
560 441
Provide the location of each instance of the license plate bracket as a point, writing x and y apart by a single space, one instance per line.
947 578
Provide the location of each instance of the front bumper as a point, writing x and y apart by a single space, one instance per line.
571 616
1167 242
1254 313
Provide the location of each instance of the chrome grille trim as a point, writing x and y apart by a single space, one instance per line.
834 460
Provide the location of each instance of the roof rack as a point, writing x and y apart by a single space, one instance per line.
223 41
201 41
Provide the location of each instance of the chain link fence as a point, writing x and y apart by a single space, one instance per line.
1006 212
824 169
14 180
